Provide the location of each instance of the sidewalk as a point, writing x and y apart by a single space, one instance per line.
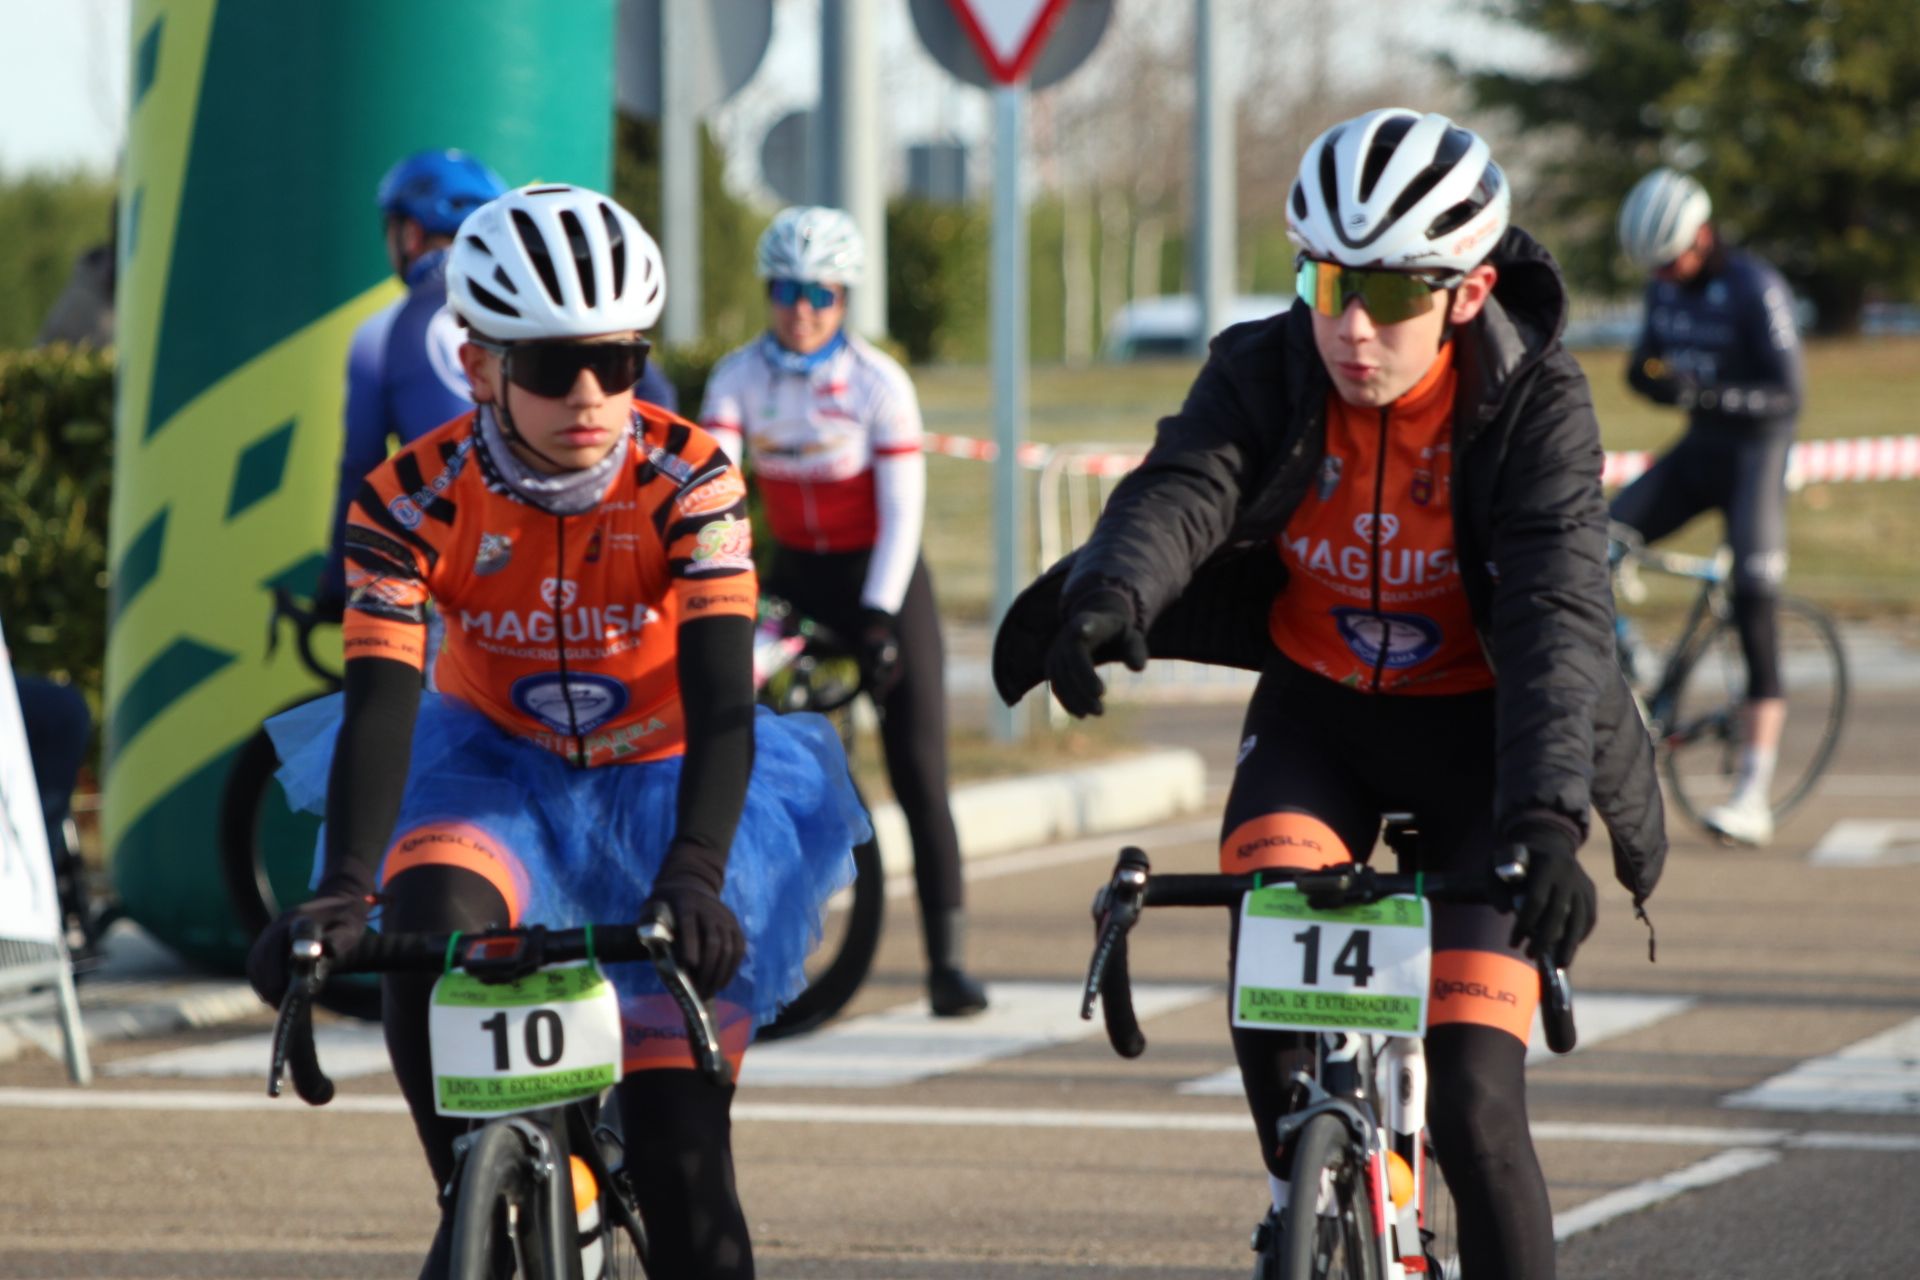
143 990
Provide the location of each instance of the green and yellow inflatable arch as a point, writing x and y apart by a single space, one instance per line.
250 249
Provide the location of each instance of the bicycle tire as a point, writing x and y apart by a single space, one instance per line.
254 883
500 1207
624 1259
1439 1219
1701 750
1339 1245
835 981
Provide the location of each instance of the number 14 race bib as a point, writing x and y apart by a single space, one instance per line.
506 1047
1361 968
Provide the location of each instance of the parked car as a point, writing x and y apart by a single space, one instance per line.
1157 328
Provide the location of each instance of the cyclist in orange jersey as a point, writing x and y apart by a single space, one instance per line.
593 746
1387 501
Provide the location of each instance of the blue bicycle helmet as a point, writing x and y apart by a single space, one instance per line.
438 189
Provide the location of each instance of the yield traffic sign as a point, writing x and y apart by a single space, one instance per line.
1008 33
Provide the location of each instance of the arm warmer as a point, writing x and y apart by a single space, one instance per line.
370 760
716 693
900 496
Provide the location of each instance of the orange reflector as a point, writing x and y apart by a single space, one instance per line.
1399 1179
585 1189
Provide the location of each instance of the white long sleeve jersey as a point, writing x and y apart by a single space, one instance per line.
834 451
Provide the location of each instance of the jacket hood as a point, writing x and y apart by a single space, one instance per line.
1530 289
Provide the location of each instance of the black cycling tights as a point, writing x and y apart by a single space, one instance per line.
678 1127
913 719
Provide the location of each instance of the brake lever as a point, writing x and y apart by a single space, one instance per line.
1116 908
655 932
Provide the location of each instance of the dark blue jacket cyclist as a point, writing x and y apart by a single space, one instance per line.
403 370
1719 342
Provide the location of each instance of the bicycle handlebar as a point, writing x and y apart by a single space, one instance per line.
304 620
497 955
1117 907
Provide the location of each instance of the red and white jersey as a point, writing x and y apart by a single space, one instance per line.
812 435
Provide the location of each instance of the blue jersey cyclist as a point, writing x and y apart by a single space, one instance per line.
593 744
403 368
1719 342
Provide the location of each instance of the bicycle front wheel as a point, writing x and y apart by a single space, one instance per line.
1330 1219
500 1219
1704 734
850 937
1439 1220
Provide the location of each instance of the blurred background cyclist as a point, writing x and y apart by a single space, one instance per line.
829 428
1718 340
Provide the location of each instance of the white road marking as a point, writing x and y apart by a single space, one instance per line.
1878 1076
907 1043
1059 855
1615 1204
961 1117
347 1051
1600 1017
1864 842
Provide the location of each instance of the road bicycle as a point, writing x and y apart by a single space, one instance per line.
799 665
539 1189
1692 698
1368 1201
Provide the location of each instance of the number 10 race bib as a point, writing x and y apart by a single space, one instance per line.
507 1047
1361 968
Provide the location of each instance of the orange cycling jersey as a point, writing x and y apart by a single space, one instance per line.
1374 598
561 629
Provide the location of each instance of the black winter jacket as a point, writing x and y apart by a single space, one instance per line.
1189 539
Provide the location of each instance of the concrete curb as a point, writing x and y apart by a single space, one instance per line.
1003 814
992 817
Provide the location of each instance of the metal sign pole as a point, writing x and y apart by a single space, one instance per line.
1214 230
1009 324
680 171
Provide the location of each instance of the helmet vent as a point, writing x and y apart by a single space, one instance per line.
619 243
493 301
582 254
546 191
480 244
1385 140
1483 193
536 247
505 281
1330 181
1299 201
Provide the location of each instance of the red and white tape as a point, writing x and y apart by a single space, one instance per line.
1864 458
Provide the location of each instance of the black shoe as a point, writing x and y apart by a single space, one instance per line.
954 994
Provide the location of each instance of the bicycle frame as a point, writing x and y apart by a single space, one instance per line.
1348 1078
1709 604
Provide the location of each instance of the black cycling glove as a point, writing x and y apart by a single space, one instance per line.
877 648
339 908
707 941
1556 909
1099 629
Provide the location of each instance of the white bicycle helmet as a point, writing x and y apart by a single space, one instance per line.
553 261
812 243
1397 189
1661 217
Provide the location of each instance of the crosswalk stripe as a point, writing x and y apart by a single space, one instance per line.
907 1043
347 1051
1600 1017
1878 1076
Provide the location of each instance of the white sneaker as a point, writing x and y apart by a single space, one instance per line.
1745 819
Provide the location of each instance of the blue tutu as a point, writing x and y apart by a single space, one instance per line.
585 844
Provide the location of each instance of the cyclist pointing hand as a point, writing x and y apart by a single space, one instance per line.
1387 501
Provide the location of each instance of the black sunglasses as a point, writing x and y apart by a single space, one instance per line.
551 368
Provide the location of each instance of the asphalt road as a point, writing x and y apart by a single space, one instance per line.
1706 1128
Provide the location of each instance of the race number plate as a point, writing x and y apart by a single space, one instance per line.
1361 968
503 1048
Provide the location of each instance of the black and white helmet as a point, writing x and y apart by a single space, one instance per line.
554 261
1661 217
1397 189
812 243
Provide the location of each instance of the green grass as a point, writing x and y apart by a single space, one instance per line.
1850 544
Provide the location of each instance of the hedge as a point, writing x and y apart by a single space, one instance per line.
56 473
